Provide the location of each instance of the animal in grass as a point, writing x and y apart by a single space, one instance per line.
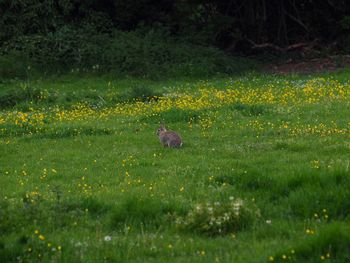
169 138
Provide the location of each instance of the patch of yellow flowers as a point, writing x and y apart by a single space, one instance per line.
310 92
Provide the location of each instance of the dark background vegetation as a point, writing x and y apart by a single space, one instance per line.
165 37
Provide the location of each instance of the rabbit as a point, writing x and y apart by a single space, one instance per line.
169 138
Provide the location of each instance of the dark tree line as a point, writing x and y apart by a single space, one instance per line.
232 24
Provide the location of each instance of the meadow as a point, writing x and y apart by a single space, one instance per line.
263 174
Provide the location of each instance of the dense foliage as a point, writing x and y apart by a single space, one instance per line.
219 22
183 36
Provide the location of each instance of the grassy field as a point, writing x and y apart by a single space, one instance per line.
263 174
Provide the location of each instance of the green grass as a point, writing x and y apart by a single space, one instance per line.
102 188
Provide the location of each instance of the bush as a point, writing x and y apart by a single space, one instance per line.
24 94
219 218
147 53
13 65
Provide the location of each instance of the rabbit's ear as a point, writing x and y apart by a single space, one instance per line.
162 127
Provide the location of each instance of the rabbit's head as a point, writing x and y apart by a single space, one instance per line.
161 129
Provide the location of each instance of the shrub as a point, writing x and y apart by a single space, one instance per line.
147 53
13 65
23 94
219 218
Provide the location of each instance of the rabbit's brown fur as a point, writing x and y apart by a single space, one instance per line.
169 138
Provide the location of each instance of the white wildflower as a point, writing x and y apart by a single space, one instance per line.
107 238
